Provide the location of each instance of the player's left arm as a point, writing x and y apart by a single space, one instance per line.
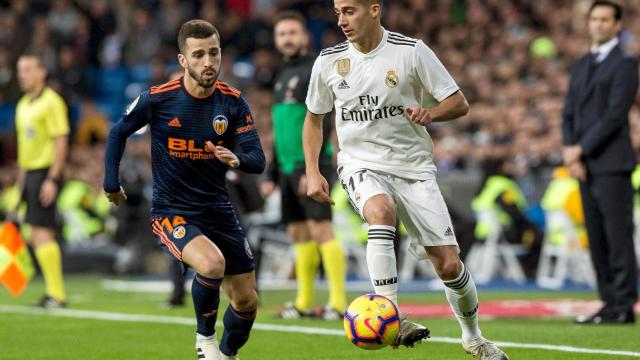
58 128
437 81
452 107
251 160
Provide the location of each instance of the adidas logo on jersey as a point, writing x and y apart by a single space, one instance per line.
343 85
175 122
448 232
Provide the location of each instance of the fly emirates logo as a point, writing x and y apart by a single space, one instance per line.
188 149
370 110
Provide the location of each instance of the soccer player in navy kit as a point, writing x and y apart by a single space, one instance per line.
194 121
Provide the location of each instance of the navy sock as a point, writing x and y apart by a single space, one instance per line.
237 325
206 298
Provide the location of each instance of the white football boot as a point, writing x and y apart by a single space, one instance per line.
207 349
410 333
484 350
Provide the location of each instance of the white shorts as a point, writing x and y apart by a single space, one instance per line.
419 204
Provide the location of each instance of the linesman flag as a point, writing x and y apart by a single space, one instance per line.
16 268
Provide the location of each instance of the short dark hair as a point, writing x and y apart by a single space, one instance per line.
290 15
617 8
199 29
34 55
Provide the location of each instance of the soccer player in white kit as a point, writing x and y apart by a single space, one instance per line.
375 80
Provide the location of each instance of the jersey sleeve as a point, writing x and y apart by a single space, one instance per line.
433 76
57 122
251 158
137 115
319 96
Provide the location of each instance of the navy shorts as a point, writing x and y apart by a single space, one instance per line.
174 232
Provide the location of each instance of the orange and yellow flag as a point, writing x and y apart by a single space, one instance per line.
16 268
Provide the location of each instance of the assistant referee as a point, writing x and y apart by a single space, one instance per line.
42 128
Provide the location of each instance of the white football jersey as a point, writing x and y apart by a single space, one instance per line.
370 93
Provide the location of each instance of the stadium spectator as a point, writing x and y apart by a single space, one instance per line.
501 196
563 196
143 42
486 44
62 18
9 192
9 90
597 150
70 76
82 204
42 127
92 127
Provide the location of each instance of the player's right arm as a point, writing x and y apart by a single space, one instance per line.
317 185
137 115
319 101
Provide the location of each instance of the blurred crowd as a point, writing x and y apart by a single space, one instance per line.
511 59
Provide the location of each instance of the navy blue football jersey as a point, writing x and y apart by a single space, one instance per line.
188 180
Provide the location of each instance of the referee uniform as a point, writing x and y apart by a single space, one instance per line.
39 121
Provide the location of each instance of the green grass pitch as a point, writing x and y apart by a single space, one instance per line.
26 334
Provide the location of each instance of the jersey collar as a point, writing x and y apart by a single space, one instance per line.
374 52
38 95
193 96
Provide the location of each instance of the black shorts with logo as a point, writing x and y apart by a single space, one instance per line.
174 232
299 207
37 214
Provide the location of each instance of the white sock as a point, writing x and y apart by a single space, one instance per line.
381 261
202 337
463 299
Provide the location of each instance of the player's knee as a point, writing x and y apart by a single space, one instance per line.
448 269
380 211
213 267
247 301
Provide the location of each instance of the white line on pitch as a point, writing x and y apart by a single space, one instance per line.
112 316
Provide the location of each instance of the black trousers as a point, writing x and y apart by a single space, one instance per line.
608 209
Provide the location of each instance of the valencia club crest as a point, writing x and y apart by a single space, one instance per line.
220 124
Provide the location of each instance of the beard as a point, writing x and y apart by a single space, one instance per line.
202 82
294 50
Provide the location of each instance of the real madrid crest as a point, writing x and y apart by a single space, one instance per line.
392 79
220 124
344 66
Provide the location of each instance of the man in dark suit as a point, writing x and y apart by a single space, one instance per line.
597 150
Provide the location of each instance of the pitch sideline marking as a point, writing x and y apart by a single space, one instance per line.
113 316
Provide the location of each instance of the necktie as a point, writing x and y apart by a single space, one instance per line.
593 65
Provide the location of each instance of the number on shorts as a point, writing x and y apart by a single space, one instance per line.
350 188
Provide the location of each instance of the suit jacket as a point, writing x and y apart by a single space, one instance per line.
596 113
